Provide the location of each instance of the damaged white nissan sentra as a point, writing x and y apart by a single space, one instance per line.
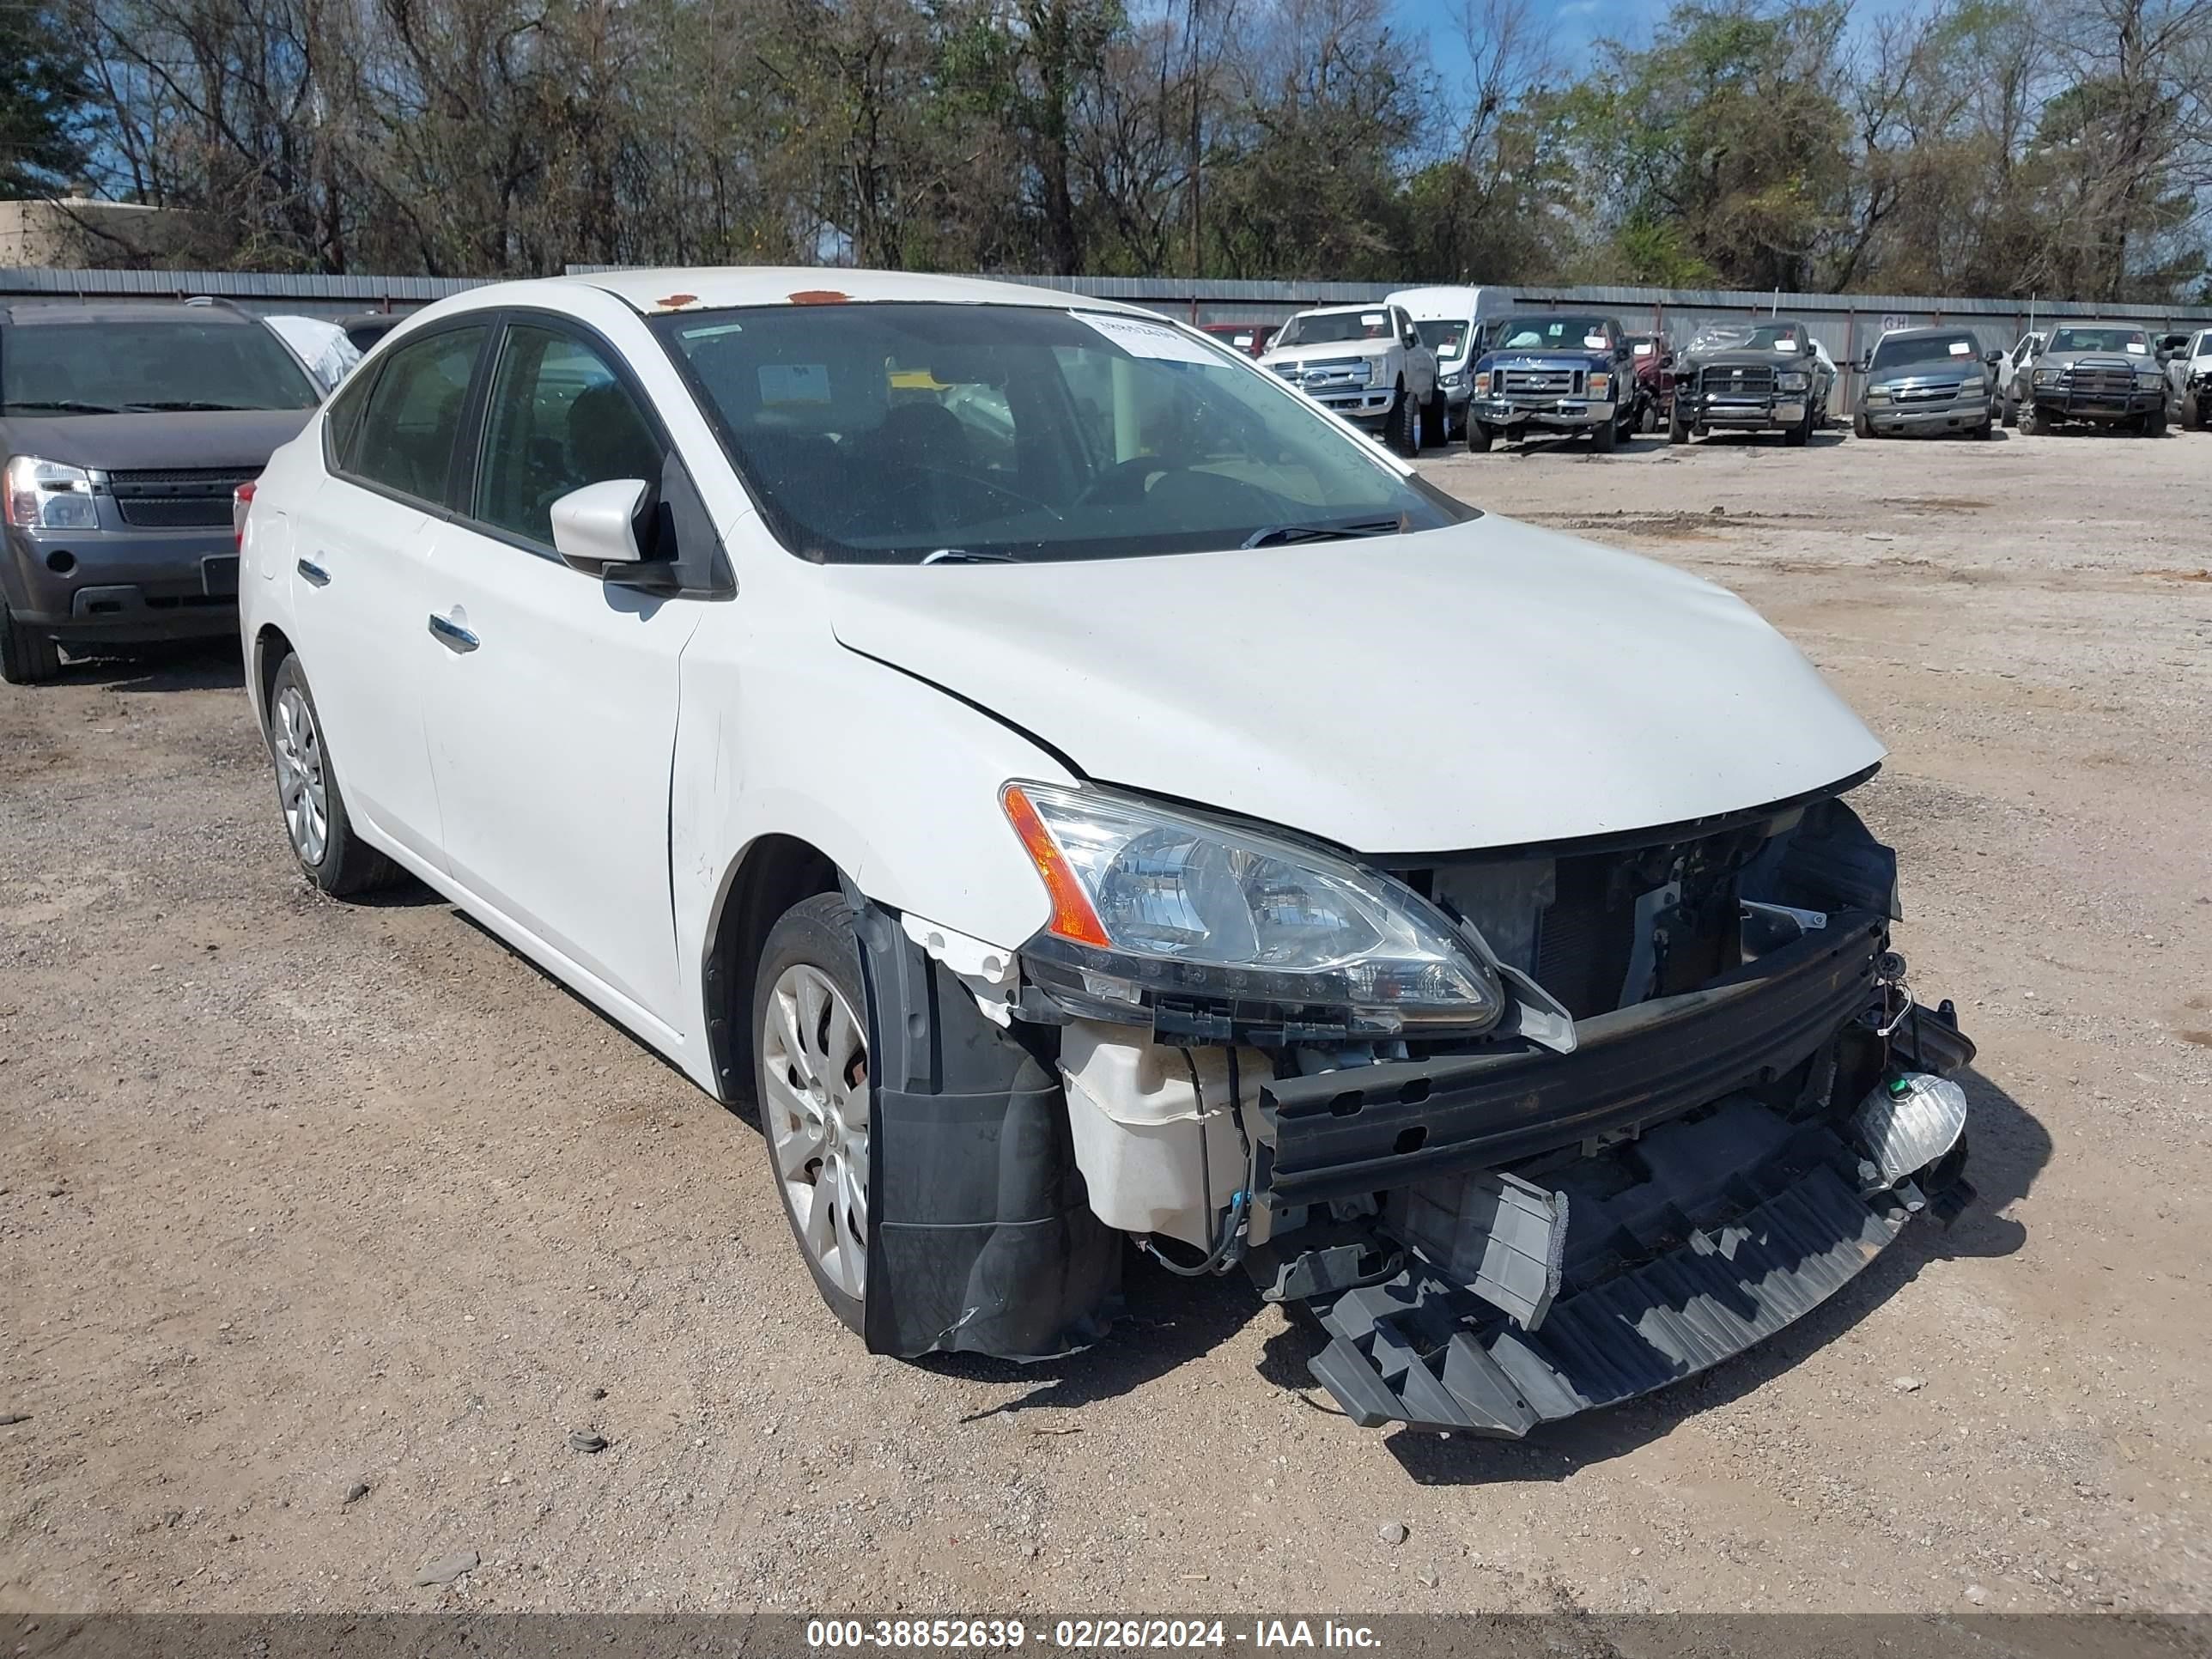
1080 792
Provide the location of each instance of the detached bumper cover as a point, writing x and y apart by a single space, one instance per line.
1422 1351
1378 1126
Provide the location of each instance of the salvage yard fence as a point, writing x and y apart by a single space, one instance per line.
1846 324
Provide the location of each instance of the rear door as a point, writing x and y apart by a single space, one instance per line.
363 544
553 698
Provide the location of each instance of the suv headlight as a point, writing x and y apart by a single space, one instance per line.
1792 380
2046 376
1150 902
1482 384
1599 386
2149 380
47 495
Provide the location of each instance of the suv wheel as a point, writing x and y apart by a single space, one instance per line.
2029 422
1605 435
813 1082
315 819
2153 422
28 656
1678 429
1478 437
1797 436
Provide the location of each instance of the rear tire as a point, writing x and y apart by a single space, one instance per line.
316 822
2011 413
815 1092
1438 422
28 656
1647 418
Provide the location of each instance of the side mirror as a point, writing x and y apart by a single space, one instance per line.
596 527
1666 359
1865 364
1993 358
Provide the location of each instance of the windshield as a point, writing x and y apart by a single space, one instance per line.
1329 328
1445 337
1957 349
1774 337
2101 339
1550 334
102 368
892 433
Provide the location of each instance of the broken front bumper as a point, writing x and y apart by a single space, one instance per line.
1679 1219
1567 416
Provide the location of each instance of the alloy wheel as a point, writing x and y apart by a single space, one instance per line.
815 1110
302 786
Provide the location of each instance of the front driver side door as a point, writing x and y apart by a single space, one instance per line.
552 722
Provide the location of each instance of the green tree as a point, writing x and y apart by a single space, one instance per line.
43 91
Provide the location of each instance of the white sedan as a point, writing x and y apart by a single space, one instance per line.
1080 794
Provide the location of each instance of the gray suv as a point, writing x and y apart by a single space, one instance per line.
1927 380
124 428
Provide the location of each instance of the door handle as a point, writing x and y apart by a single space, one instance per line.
313 572
453 635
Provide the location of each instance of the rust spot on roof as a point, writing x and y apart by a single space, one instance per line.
674 301
820 296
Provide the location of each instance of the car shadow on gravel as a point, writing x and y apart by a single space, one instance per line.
195 665
2007 1148
1169 1322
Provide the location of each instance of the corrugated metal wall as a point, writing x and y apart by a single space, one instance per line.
1847 323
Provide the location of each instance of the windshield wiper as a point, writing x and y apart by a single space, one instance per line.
175 404
68 406
1284 535
969 556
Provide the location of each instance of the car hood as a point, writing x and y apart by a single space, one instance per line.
241 439
1482 685
1325 351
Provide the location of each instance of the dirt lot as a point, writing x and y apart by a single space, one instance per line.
296 1197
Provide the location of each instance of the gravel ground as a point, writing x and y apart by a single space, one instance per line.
326 1227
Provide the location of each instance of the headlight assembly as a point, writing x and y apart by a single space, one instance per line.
2046 376
47 495
1150 903
1599 387
2149 380
1482 384
1791 381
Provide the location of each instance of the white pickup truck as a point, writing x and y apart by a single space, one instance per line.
1367 364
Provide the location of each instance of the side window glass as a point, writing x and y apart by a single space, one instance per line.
343 421
414 413
559 420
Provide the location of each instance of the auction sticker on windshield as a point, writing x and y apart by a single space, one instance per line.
1142 340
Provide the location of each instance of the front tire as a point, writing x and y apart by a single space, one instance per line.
28 656
1605 435
316 822
1797 436
1402 426
1678 429
2153 424
816 1093
1478 437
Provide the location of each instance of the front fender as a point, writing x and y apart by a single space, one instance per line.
893 781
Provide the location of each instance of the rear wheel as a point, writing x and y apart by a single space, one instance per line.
28 656
1647 418
315 819
812 1081
2011 413
1439 421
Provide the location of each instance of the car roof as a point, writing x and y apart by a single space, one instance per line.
712 288
1927 329
32 314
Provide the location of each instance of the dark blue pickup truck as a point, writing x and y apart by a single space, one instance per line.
1561 372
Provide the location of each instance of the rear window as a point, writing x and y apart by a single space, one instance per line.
106 368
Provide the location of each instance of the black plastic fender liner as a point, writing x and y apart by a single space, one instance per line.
980 1236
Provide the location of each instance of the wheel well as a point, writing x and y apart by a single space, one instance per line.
271 648
776 873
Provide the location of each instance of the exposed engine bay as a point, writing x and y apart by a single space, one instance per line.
1712 1099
